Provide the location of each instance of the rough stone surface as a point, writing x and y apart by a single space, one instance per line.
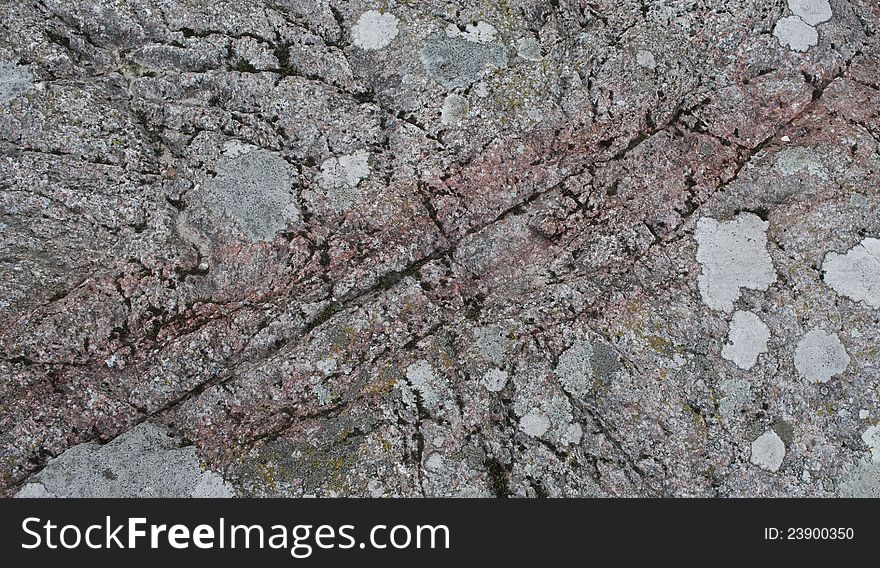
252 225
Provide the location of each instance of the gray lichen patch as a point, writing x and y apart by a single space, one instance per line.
733 256
535 423
856 274
819 356
253 187
426 383
143 462
584 364
812 12
646 59
794 160
575 369
529 49
746 340
456 63
862 480
796 34
374 30
736 393
340 177
492 342
768 451
494 380
871 437
455 109
15 80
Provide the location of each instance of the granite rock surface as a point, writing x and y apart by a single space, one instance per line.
440 248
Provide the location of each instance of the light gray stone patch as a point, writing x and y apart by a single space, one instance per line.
143 462
254 188
746 340
794 33
456 63
733 256
819 356
374 30
15 80
812 12
768 451
856 274
340 177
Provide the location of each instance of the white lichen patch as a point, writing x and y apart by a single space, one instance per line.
143 462
455 109
340 177
480 32
254 188
535 423
746 339
819 356
871 437
796 34
733 256
15 80
768 451
646 59
494 380
812 12
425 382
374 30
575 370
529 49
856 274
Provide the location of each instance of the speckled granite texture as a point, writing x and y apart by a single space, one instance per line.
440 247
